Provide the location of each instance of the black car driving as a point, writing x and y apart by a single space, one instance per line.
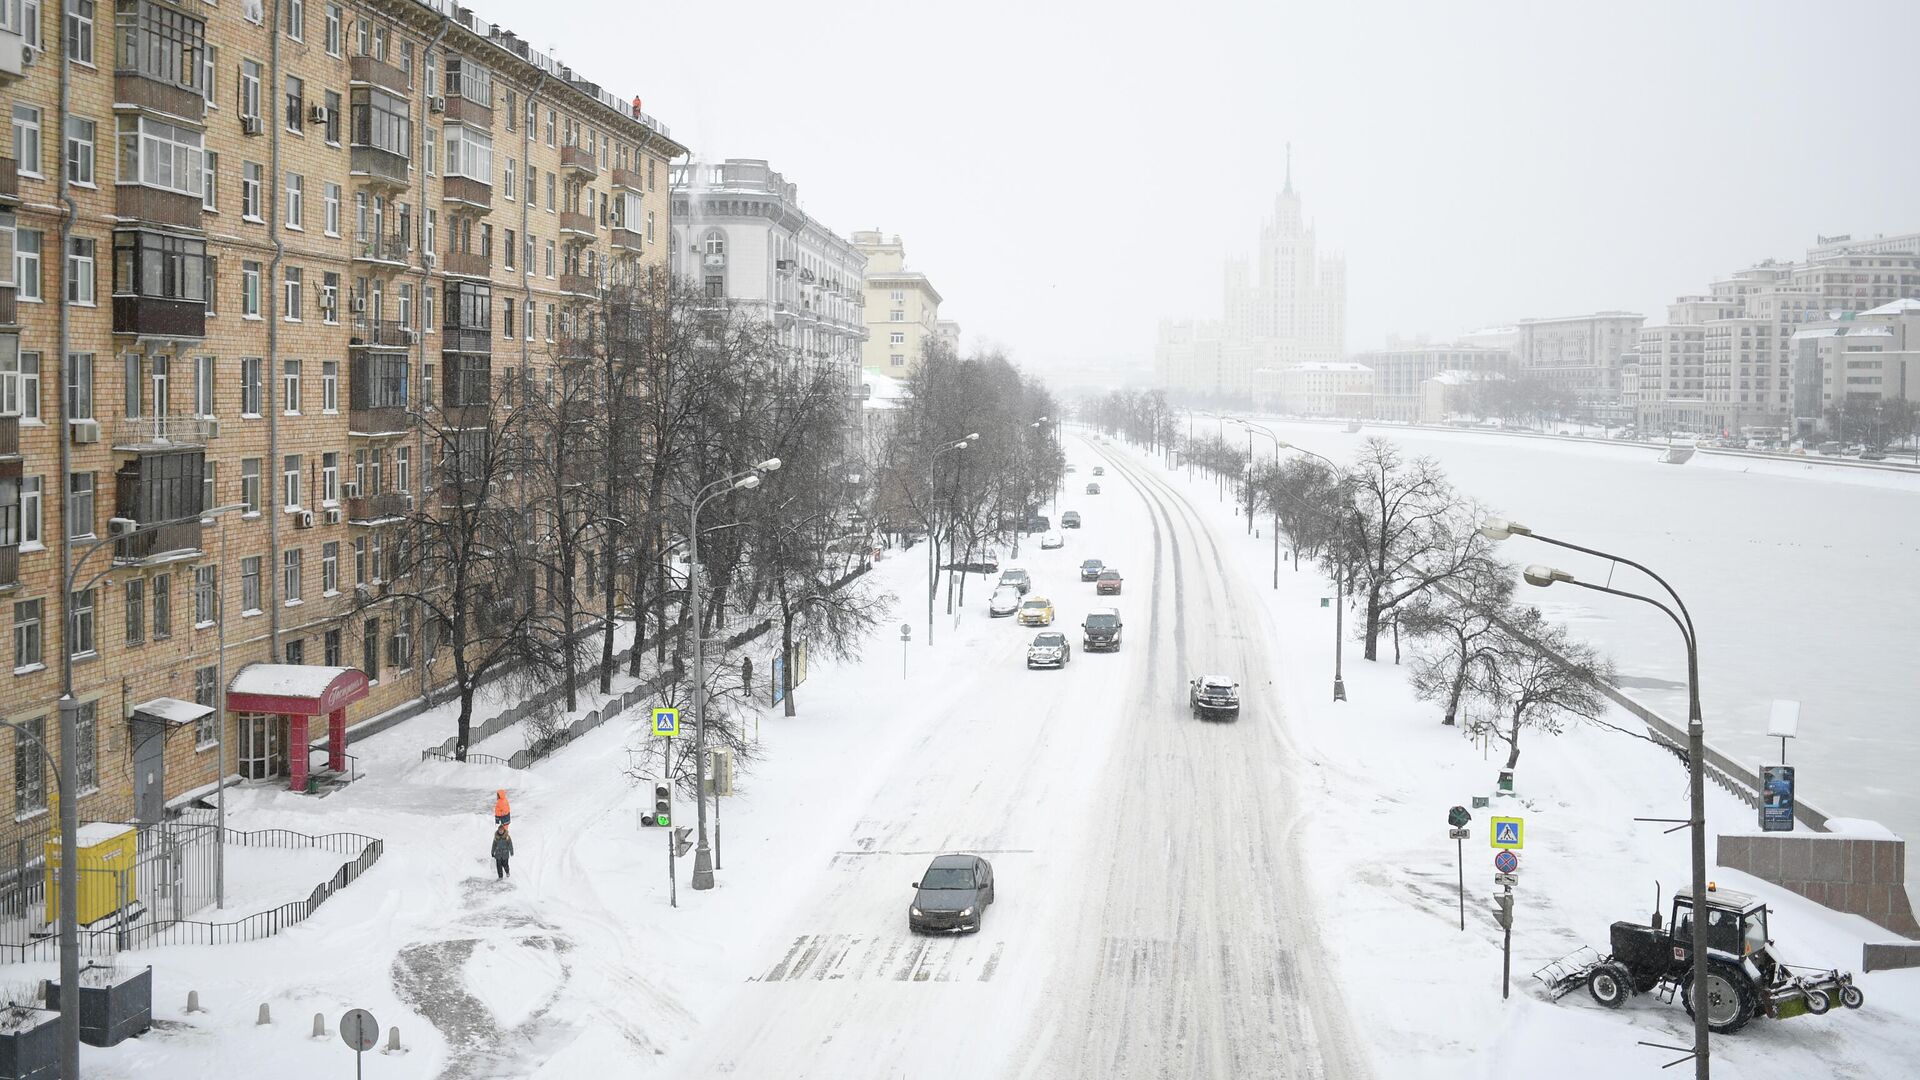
1213 697
952 896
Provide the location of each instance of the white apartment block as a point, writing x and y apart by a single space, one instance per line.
739 231
1327 388
1399 375
1582 355
1853 360
903 307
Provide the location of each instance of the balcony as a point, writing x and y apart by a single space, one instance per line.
379 420
469 264
578 285
139 434
138 204
574 349
381 333
628 178
626 239
369 509
9 567
579 161
9 438
9 310
465 191
158 317
390 250
373 72
468 111
136 88
173 538
476 340
9 182
576 226
380 168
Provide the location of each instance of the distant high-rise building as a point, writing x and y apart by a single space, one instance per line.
902 306
1285 307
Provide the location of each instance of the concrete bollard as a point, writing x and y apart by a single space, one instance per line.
393 1041
193 1002
319 1025
265 1016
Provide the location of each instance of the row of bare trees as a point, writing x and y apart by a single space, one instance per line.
1405 548
557 500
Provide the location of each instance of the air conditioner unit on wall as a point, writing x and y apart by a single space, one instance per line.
438 104
85 431
305 520
319 114
213 429
333 515
359 304
353 489
252 125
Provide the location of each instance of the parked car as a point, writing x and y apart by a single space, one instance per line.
1101 631
1873 455
1036 611
1070 519
1071 468
1038 523
1108 583
1049 650
1093 489
1006 601
1052 540
987 562
952 896
1090 569
1099 470
1213 696
1017 578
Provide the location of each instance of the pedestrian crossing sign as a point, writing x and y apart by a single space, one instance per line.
666 722
1508 832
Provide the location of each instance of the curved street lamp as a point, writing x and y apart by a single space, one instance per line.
741 481
1495 528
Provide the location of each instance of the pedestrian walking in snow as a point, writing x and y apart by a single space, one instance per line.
502 813
746 676
502 851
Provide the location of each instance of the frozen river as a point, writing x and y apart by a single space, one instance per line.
1803 580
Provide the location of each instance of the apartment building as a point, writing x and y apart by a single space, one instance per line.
903 307
297 227
1399 374
1855 360
1327 388
1581 355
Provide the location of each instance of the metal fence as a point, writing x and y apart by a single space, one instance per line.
173 875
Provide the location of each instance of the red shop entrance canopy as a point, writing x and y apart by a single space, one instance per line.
295 689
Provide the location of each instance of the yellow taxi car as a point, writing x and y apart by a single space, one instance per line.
1036 611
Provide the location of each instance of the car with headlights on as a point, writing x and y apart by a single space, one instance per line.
1036 611
1214 697
952 896
1052 541
1005 601
1049 650
1108 583
1090 569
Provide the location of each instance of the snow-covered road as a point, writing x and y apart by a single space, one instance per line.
1153 918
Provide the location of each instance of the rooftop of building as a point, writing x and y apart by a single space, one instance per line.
1898 307
1582 318
881 391
1329 365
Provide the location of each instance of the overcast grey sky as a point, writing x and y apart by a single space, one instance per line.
1069 173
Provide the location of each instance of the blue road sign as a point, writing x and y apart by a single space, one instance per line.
1506 862
1508 832
666 722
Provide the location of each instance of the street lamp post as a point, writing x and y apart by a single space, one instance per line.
933 526
743 481
220 707
1544 576
1339 583
1277 444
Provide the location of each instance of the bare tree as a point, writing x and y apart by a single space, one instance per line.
1541 679
1410 528
1459 629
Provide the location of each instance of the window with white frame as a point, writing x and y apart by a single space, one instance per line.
330 477
331 218
28 639
252 174
26 139
26 263
296 15
81 608
210 181
290 572
329 296
79 151
30 767
330 567
80 386
250 388
249 99
203 386
290 481
156 154
206 581
296 201
80 31
294 285
296 104
250 484
290 389
80 271
330 386
333 32
469 154
250 585
250 292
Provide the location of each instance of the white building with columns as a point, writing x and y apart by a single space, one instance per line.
739 232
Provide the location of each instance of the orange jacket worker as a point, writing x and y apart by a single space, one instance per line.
502 813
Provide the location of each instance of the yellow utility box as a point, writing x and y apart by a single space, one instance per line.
107 855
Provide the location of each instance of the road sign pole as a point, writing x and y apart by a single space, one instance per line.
1460 864
1506 950
673 887
716 823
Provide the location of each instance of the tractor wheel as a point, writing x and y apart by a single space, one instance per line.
1851 997
1730 996
1818 1002
1611 984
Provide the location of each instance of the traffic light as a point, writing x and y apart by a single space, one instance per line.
682 840
662 816
1503 909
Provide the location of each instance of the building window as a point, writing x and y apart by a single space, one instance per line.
79 151
29 767
331 202
203 386
159 265
250 386
897 360
32 528
383 121
250 293
205 582
27 655
290 475
250 179
206 682
370 649
250 585
163 607
26 140
249 100
80 31
80 505
360 560
469 154
296 201
507 185
896 316
86 756
80 612
896 338
290 568
330 386
332 40
80 386
296 652
134 604
250 484
296 19
294 285
210 181
330 567
156 154
80 281
330 650
296 102
26 260
330 477
332 127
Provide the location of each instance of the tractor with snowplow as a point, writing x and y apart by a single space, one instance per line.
1744 978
